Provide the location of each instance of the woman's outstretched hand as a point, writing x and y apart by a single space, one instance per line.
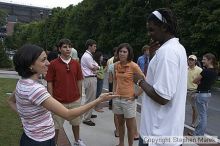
107 96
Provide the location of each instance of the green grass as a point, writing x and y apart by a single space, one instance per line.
10 125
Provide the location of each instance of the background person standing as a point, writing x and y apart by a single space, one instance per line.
74 54
110 79
89 68
125 106
144 60
193 72
205 81
98 57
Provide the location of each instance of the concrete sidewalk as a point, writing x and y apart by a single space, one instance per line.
100 135
103 133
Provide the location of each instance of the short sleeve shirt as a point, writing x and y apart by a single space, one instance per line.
64 78
192 74
124 78
167 73
37 120
209 76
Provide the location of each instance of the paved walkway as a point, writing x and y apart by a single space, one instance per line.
100 135
103 133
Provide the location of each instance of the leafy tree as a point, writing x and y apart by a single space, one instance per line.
5 62
113 22
199 25
3 16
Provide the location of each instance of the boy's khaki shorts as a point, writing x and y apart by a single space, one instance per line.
58 121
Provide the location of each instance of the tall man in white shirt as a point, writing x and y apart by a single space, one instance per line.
89 68
165 87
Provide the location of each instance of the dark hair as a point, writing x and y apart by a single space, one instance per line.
211 57
114 49
24 58
89 42
144 48
96 56
104 61
63 41
170 24
129 48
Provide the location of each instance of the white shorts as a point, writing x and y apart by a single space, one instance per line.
122 106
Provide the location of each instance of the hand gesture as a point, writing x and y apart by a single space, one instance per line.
107 96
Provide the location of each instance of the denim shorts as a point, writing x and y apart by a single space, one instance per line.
26 141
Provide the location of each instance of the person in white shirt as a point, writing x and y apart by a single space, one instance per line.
165 87
89 68
74 54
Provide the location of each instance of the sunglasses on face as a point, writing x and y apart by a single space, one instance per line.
67 67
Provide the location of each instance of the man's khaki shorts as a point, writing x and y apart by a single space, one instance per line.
58 121
191 97
122 106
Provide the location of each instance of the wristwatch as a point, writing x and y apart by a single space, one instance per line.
139 81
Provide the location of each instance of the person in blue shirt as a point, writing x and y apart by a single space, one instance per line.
143 60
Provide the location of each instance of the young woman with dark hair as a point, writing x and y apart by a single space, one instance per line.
125 106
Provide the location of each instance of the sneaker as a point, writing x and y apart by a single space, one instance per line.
90 123
79 143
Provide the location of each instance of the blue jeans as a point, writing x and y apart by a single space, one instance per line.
99 87
202 106
26 141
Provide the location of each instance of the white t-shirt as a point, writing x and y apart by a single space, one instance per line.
74 54
167 73
36 120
